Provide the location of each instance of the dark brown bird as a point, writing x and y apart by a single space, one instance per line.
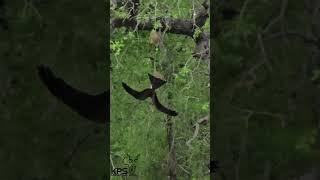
93 107
150 92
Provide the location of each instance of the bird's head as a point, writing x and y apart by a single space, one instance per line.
156 80
158 75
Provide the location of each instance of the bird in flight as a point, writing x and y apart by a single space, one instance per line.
150 92
93 107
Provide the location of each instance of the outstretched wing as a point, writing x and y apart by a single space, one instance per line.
136 94
92 107
161 108
155 82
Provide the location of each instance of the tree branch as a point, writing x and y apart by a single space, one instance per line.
132 7
278 18
175 26
203 121
171 25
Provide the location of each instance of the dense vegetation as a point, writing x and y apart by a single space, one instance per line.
266 97
266 113
136 126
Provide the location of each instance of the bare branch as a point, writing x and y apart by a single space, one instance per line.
203 120
175 26
305 38
202 48
132 7
278 18
263 51
195 134
171 25
251 112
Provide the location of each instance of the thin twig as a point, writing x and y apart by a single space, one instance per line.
278 18
264 54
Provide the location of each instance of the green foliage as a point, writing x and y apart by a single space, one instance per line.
121 12
116 46
196 33
136 126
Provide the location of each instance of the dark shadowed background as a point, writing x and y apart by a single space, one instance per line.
37 131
